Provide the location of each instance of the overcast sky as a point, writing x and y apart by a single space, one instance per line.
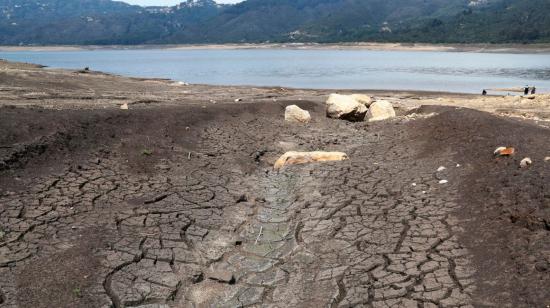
169 2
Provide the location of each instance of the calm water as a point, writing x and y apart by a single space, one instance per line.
351 69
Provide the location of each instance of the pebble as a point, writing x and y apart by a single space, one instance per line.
525 162
413 184
443 182
441 169
547 158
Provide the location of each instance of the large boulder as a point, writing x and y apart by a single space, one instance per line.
292 158
296 114
380 110
363 99
345 107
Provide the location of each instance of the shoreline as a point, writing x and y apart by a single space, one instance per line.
245 87
415 92
473 48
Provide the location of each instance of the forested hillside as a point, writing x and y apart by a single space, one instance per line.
32 22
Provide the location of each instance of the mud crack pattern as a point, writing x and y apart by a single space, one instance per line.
219 228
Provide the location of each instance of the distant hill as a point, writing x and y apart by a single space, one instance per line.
41 22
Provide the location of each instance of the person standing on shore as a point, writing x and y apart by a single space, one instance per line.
526 90
533 90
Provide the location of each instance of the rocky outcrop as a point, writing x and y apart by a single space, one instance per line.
295 114
345 107
293 158
380 110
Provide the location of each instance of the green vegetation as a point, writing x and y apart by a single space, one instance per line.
77 292
29 22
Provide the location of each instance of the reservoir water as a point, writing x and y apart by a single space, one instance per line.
464 72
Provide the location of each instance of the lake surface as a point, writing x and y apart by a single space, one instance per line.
340 69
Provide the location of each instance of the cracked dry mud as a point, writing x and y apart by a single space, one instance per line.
178 206
207 232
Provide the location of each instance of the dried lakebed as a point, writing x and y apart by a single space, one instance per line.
179 206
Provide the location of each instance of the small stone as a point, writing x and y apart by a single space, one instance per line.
525 162
413 184
443 182
124 106
238 100
441 169
547 159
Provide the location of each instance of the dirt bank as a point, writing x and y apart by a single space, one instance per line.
174 202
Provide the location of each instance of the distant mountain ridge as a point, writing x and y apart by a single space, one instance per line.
97 22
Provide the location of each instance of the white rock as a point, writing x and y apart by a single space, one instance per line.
413 184
441 169
296 114
362 99
525 162
345 107
443 182
380 110
458 165
547 158
124 106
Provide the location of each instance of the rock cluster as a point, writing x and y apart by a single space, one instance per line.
358 107
345 107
